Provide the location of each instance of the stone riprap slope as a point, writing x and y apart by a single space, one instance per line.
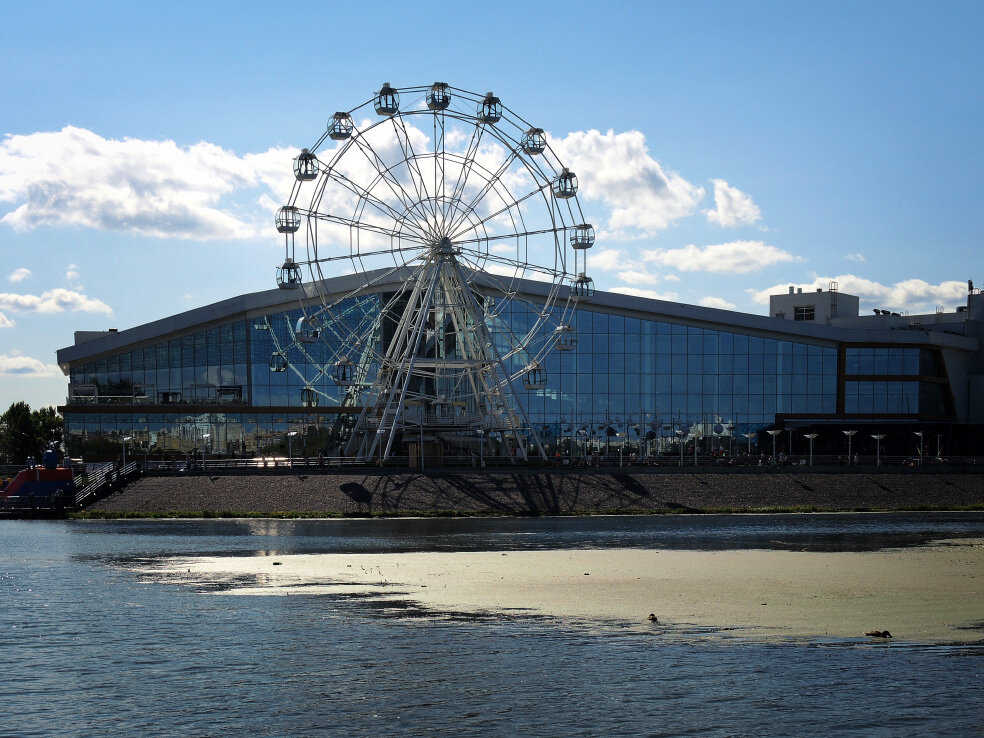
528 492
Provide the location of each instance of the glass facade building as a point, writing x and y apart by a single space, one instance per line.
640 367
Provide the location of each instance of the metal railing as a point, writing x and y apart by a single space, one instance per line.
666 461
101 479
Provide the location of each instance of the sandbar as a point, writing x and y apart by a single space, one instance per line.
929 594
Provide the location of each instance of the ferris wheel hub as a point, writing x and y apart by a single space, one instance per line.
444 247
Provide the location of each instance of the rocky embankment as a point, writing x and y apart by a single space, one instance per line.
539 492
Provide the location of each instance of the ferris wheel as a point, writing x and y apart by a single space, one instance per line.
466 245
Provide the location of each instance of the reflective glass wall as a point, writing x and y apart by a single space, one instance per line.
628 373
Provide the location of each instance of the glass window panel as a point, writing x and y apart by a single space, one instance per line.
910 361
852 358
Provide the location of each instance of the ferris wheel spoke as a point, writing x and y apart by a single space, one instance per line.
378 279
500 211
506 236
386 173
359 225
496 280
410 159
466 166
368 254
486 188
439 144
376 202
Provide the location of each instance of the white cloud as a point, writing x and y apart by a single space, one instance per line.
618 170
5 322
671 278
637 276
717 302
19 275
74 177
15 364
607 260
915 295
736 257
732 207
652 294
857 256
54 301
73 273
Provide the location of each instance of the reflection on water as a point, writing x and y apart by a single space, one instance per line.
90 649
819 532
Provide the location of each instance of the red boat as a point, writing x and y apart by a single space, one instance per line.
45 486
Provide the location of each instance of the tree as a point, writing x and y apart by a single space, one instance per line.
17 437
24 433
48 425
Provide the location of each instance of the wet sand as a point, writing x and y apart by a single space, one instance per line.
924 594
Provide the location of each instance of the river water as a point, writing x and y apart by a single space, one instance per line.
91 647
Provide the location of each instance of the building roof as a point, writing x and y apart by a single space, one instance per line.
90 345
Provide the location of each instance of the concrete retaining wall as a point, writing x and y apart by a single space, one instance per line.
530 492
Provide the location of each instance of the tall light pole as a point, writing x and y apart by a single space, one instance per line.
774 433
920 434
125 439
290 448
878 439
680 433
811 436
481 448
850 436
205 437
749 436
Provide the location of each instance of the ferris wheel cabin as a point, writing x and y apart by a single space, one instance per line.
387 100
438 96
534 141
490 109
305 166
340 127
583 236
565 186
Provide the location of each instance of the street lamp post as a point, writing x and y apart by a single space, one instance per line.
878 439
749 436
679 434
811 436
920 434
205 437
481 448
850 436
125 439
290 448
774 433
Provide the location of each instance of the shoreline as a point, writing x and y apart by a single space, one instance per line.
385 515
931 594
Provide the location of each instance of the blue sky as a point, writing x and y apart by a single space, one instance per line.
775 143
